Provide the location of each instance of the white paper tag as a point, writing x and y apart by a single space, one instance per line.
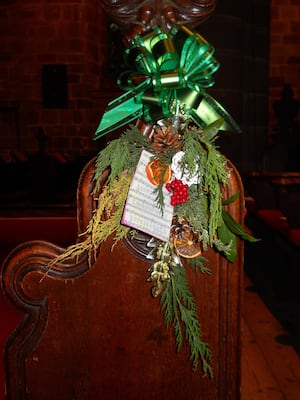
141 211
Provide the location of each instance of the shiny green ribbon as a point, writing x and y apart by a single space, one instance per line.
169 75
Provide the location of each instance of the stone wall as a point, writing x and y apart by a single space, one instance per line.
284 50
38 33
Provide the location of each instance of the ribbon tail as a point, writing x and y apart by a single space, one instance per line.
209 110
121 111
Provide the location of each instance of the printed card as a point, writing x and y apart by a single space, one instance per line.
141 211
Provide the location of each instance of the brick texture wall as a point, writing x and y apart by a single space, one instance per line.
239 30
32 34
284 51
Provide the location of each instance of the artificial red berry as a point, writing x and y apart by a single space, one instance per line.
179 191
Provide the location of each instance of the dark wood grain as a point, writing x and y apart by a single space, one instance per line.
136 17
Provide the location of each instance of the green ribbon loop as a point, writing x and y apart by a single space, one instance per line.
169 71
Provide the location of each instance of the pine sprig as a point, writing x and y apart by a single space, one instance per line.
116 157
195 210
159 197
180 309
176 318
202 157
108 215
215 176
120 155
198 264
105 221
194 153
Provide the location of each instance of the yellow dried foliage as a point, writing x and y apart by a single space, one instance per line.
105 221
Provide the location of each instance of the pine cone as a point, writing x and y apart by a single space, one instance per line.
181 231
164 140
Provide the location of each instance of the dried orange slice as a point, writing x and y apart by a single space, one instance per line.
157 173
185 240
188 249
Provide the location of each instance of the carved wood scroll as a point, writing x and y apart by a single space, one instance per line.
138 16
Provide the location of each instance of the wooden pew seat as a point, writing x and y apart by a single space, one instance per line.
274 198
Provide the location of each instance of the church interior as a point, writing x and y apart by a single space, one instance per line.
60 62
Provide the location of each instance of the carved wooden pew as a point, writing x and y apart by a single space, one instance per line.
96 333
288 193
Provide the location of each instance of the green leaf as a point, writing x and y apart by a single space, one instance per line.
231 199
228 239
237 228
210 131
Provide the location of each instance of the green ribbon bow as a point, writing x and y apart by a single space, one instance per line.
169 76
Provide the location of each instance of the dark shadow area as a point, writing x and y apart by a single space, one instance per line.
273 265
41 179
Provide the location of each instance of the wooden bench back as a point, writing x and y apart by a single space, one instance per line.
96 333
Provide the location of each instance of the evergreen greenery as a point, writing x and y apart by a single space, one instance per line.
204 212
180 310
120 155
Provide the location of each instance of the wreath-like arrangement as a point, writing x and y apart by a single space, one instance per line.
185 169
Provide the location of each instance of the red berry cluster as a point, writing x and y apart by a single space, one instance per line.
180 191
